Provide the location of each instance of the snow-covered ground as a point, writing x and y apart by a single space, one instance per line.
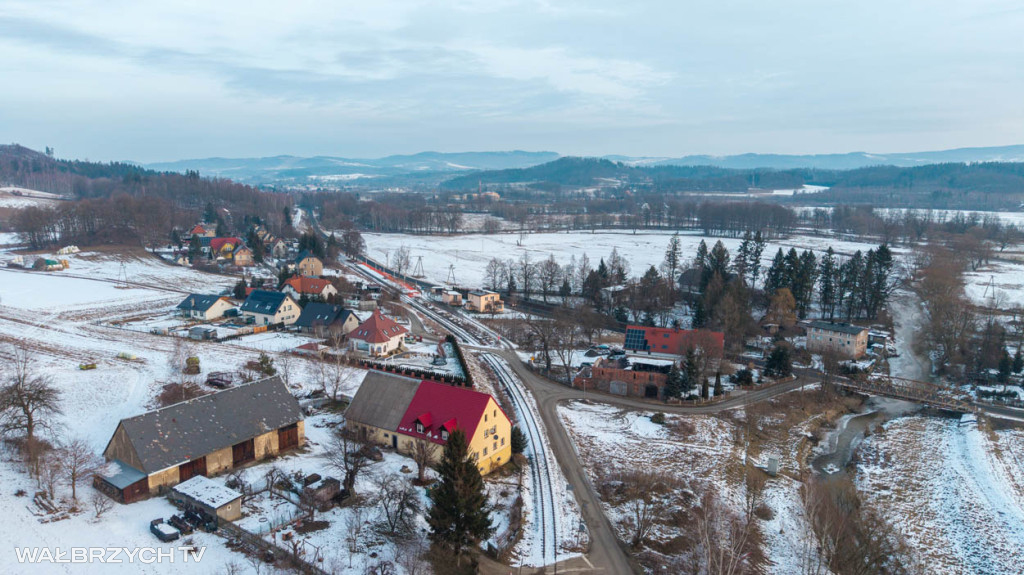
471 253
956 492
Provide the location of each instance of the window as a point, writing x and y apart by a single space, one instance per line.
503 441
485 418
495 445
444 435
485 451
419 427
495 413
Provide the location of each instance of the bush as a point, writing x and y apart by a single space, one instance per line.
743 377
658 418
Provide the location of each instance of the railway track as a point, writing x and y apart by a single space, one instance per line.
546 520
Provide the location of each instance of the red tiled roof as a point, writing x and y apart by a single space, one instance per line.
457 407
307 285
197 231
216 244
377 328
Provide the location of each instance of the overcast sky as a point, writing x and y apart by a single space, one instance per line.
166 80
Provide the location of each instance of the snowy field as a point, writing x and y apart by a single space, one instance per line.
471 253
959 499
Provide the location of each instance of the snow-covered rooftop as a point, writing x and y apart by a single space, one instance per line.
207 491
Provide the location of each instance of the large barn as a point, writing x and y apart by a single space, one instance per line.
204 436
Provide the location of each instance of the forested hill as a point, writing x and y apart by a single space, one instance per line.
119 202
986 185
575 171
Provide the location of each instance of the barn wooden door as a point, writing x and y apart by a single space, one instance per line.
288 437
243 452
189 470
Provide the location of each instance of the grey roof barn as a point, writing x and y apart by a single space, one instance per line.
185 431
382 400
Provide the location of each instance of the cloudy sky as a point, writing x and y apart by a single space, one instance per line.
147 81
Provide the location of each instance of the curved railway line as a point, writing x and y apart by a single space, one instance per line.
546 521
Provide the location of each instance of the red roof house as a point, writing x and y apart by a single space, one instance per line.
378 335
304 285
438 409
224 245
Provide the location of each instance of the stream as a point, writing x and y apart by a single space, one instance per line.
851 430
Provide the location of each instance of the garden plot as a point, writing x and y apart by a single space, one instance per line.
471 253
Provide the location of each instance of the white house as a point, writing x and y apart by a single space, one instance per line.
204 307
270 307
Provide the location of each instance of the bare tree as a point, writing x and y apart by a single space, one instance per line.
285 365
347 454
397 501
353 531
643 504
335 375
78 462
423 455
28 399
401 260
100 504
567 336
724 539
49 473
411 555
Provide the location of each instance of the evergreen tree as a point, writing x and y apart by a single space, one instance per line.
518 440
195 247
286 216
803 282
779 363
1005 366
691 371
719 390
673 260
754 263
266 365
776 276
459 515
827 283
718 260
209 214
674 383
739 265
1018 361
705 391
566 289
239 291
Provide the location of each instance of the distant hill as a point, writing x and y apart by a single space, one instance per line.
850 161
574 171
328 168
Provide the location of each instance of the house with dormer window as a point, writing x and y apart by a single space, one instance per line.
401 412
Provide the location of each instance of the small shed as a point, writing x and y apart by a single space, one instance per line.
322 492
202 332
124 483
211 497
